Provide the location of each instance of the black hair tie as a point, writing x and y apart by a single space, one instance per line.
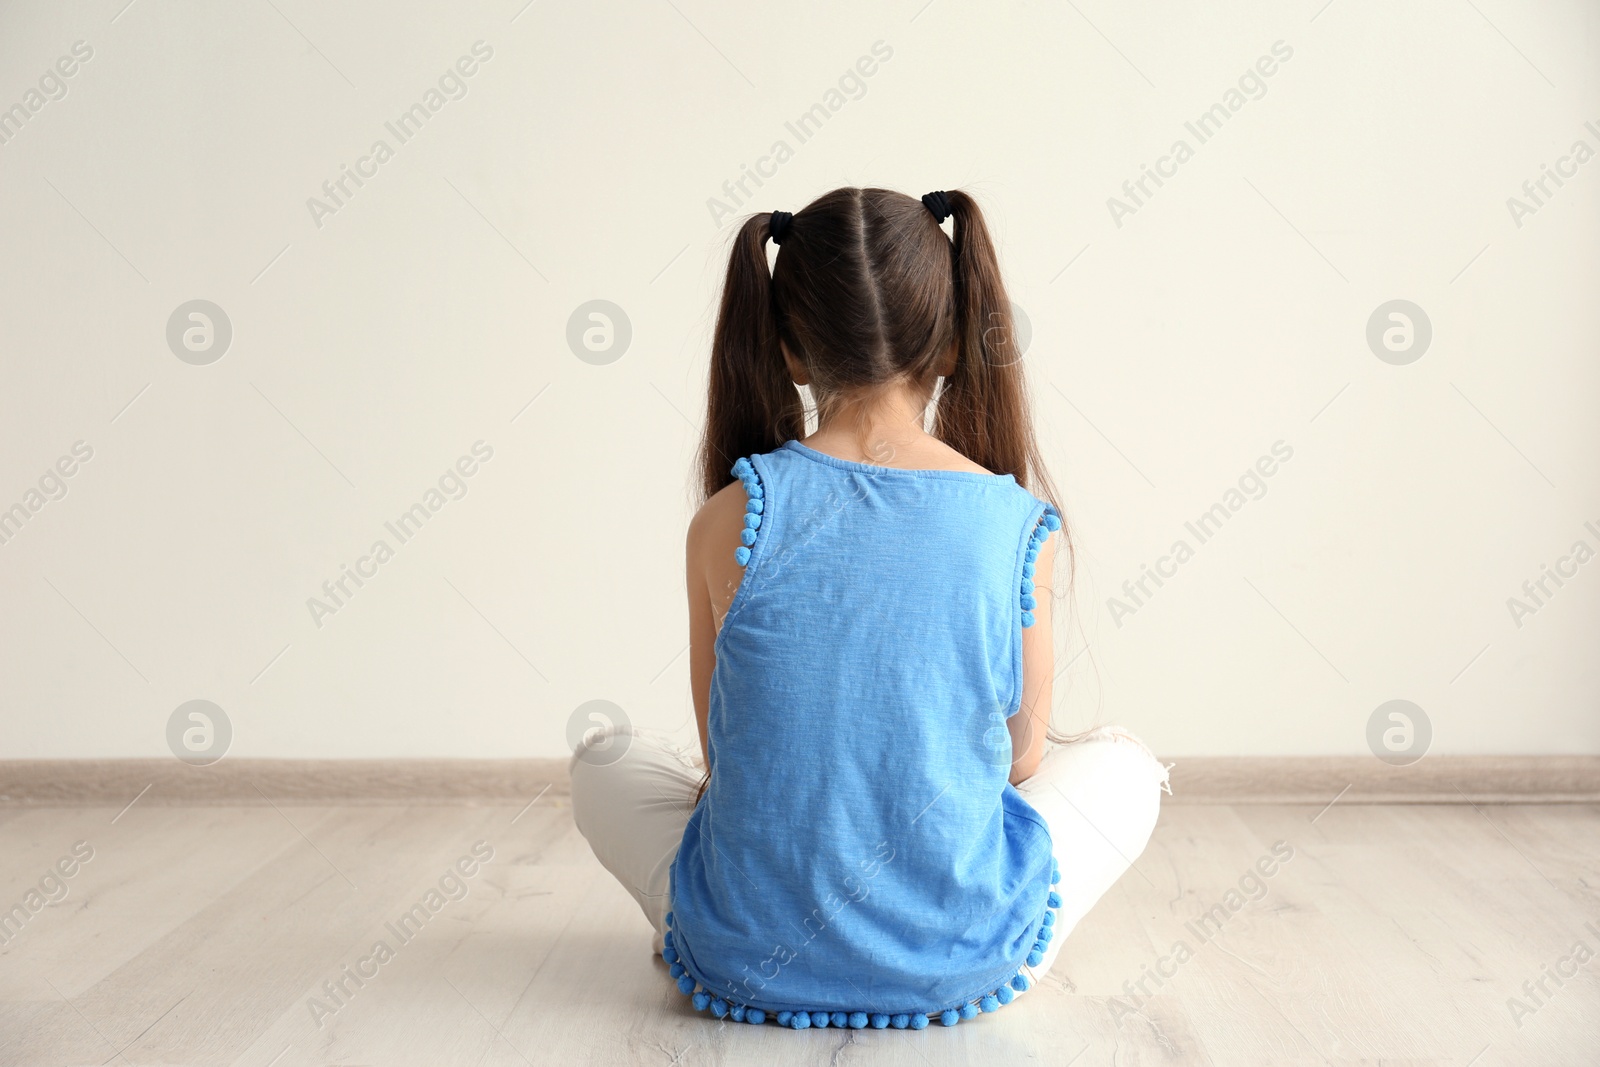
778 228
939 204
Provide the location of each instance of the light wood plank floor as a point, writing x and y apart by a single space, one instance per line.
204 935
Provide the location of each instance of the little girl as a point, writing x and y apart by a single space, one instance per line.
878 831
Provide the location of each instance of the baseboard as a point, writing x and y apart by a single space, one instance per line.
1365 780
262 781
1195 780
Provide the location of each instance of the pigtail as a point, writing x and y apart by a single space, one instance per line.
752 405
983 410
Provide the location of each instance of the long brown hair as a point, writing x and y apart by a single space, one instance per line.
866 291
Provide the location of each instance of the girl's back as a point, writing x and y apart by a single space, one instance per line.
858 847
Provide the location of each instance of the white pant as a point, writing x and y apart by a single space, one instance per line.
633 792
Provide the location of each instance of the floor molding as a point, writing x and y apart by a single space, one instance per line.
262 781
1366 780
1195 780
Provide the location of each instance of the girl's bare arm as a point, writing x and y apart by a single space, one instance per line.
712 576
1029 724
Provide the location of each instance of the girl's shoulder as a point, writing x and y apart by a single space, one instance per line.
720 523
713 545
720 518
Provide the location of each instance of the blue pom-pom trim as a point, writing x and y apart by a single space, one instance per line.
1048 521
754 507
804 1019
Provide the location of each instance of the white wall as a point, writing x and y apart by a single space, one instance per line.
1168 353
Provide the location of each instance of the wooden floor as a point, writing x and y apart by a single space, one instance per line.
204 935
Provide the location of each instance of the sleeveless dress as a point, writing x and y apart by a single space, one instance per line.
859 857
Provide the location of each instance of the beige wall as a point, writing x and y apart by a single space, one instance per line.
376 339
